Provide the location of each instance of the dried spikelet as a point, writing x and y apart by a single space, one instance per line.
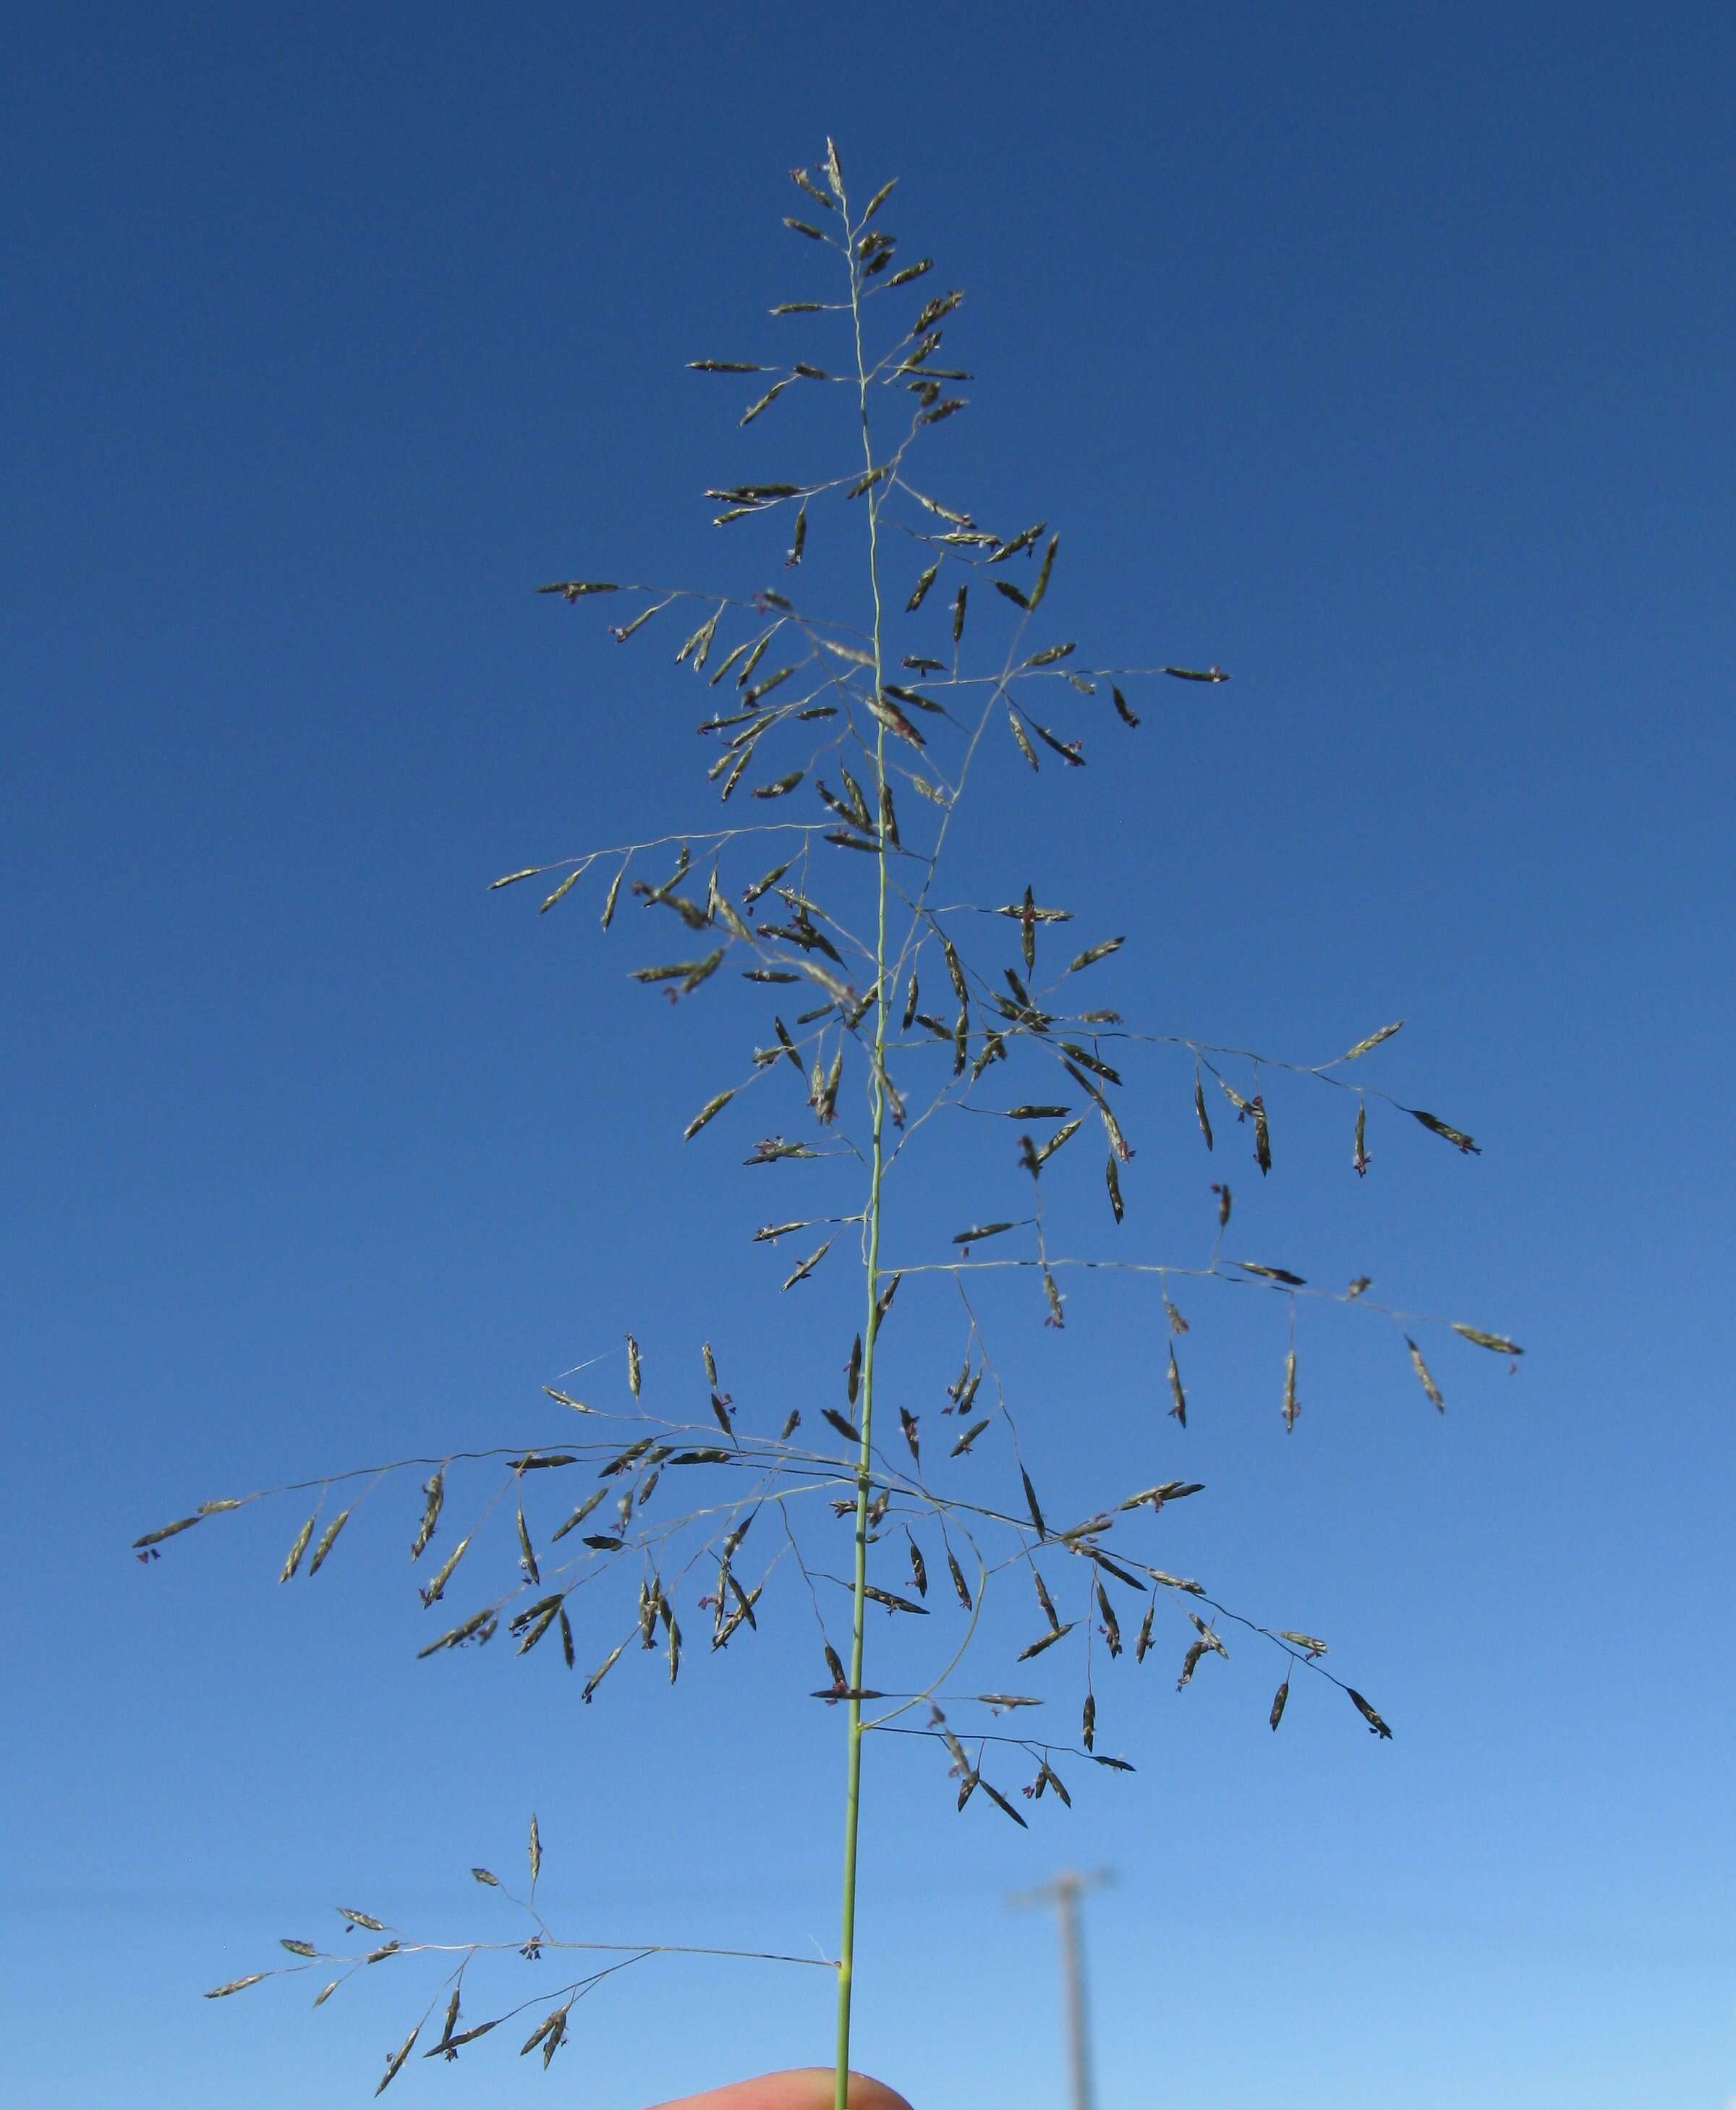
167 1531
1044 570
602 1671
293 1560
548 2034
1423 1377
698 646
447 2026
1310 1644
436 1588
807 1266
1046 1641
1376 1726
1001 1803
394 2064
579 1515
613 895
710 1111
1030 1504
1111 1178
450 2045
328 1540
1455 1136
566 885
1041 1156
1069 750
1087 1061
1272 1274
777 387
803 181
1111 1631
1019 543
1178 1397
458 1635
1101 1561
1497 1342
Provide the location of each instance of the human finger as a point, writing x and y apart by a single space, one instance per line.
804 2088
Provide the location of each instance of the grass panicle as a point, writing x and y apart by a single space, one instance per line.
910 1014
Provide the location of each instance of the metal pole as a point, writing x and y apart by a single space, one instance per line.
1064 1894
1072 1972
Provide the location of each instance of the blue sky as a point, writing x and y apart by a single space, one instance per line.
1381 355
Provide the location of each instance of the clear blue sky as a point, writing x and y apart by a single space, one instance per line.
1382 354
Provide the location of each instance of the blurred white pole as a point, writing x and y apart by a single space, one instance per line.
1064 1893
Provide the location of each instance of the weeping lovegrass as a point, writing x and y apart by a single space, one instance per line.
851 739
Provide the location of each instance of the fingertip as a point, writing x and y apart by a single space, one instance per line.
804 2088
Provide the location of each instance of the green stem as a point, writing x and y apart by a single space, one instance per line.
877 1093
